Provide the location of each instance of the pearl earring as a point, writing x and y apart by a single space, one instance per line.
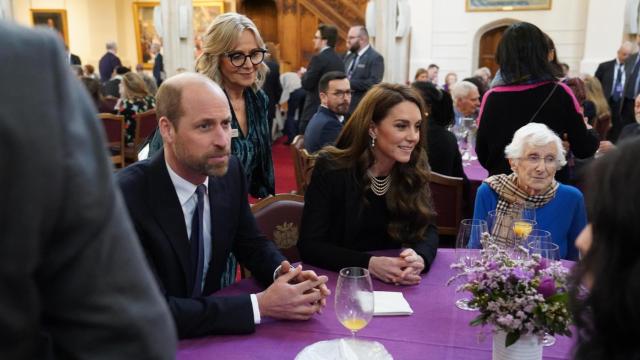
373 142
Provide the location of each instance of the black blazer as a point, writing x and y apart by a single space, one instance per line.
323 129
331 220
368 71
157 215
605 73
75 59
320 64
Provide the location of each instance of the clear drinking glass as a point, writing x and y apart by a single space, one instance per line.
539 242
469 233
471 129
524 210
354 298
520 230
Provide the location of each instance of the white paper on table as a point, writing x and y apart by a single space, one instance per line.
389 303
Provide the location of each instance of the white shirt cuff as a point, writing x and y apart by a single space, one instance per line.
256 309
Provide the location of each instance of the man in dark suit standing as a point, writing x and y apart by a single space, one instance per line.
73 58
363 65
631 87
272 86
326 60
158 64
613 75
109 62
326 124
74 280
190 209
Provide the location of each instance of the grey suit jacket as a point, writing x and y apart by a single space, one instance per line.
75 283
368 71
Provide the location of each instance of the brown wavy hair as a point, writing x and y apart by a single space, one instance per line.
409 198
134 87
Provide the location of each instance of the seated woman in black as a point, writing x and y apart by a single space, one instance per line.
371 192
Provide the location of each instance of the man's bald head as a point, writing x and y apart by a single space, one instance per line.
169 95
625 51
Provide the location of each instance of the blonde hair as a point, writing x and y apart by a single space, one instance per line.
134 86
220 38
595 94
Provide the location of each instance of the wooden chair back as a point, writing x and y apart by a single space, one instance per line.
146 124
447 194
115 129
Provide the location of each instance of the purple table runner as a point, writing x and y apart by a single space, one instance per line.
436 330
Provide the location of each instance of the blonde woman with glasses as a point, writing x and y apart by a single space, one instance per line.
534 154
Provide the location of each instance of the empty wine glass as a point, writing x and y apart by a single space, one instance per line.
469 236
499 224
524 210
539 242
354 298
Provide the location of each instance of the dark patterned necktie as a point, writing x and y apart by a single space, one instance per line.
353 66
197 241
617 87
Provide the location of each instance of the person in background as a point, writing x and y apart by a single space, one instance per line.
291 103
109 62
565 69
484 74
325 125
93 87
601 114
75 281
466 100
421 75
432 73
148 80
531 93
632 130
371 192
134 99
363 65
324 61
272 86
449 81
605 294
233 56
158 64
112 87
534 154
90 71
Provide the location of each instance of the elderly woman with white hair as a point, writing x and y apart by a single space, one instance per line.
535 154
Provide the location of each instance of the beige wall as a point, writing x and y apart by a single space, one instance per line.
91 23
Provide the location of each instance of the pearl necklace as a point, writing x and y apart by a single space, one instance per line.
379 186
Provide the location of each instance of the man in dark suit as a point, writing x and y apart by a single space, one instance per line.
73 58
326 124
190 209
613 75
326 60
75 283
363 65
109 62
158 64
272 86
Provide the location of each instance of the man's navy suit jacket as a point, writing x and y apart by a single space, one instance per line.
159 221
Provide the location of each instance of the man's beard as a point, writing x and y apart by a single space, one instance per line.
201 164
355 48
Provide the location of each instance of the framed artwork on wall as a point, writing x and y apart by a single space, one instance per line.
56 19
507 5
203 14
146 33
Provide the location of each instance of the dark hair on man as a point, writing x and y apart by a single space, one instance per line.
523 55
409 200
431 66
439 103
121 70
329 33
323 85
606 316
93 87
479 83
169 102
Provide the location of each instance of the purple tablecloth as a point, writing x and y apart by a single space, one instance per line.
436 330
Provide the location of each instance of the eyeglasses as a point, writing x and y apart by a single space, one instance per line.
238 58
342 94
534 160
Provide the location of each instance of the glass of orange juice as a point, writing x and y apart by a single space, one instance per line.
354 298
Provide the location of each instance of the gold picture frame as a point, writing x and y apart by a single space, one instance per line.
55 19
506 5
146 33
203 14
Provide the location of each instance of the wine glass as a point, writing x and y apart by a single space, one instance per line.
469 235
524 210
354 298
469 124
499 224
539 242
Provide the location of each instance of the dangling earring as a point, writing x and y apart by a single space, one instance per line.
373 142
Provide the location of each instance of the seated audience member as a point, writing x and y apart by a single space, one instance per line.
291 101
112 87
466 100
93 87
605 294
449 81
77 71
148 80
484 74
90 71
75 284
325 125
601 120
632 130
371 192
534 154
482 88
421 75
134 99
189 206
432 73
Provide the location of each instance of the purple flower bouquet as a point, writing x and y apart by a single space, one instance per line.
520 297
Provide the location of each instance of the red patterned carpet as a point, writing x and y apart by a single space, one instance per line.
283 167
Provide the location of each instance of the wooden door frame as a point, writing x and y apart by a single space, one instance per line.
481 31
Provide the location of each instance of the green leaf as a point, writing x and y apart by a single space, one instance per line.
477 321
511 338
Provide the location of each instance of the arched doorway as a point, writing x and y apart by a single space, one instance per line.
488 45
